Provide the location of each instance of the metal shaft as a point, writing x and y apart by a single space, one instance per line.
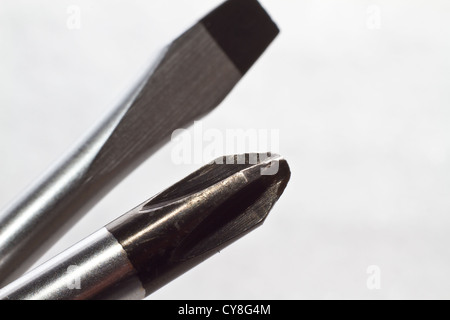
191 78
96 267
165 236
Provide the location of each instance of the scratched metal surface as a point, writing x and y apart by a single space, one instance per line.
199 216
357 89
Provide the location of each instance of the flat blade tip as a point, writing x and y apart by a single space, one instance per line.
243 29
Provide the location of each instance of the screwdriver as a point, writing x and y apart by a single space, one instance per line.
190 78
164 237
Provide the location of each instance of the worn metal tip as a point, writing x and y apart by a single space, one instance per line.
229 173
235 193
200 215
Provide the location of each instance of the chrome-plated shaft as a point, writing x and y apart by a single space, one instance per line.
96 267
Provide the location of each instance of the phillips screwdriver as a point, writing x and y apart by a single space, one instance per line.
165 236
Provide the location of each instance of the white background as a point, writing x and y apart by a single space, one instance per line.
358 89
